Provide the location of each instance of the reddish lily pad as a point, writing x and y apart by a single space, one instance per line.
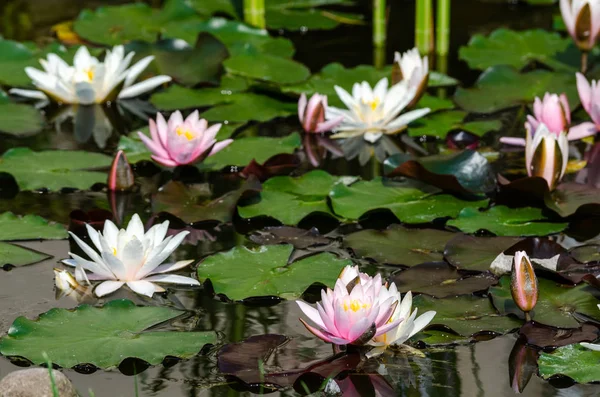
440 280
544 336
476 253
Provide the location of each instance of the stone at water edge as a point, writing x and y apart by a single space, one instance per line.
35 382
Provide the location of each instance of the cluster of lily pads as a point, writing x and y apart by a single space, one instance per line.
468 218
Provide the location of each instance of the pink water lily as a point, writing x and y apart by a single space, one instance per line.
311 114
523 284
589 95
547 155
582 20
355 311
179 141
129 256
554 112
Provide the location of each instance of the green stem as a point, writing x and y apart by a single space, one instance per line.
254 13
584 61
443 27
379 23
424 26
441 63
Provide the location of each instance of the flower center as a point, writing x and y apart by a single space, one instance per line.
373 104
90 73
185 132
114 251
355 305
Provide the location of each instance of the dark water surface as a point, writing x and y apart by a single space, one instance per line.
473 370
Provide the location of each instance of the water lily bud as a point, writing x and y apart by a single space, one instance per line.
582 20
311 114
546 155
523 285
553 111
120 176
414 70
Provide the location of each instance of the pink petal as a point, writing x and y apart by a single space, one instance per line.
581 131
316 332
162 129
220 146
164 161
312 314
301 107
512 141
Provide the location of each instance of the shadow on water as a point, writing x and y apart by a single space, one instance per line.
480 369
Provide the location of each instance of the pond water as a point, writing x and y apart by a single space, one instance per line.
485 368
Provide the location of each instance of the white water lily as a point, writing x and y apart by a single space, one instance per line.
414 69
409 325
129 256
373 112
90 81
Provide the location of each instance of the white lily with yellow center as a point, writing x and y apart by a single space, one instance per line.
409 325
129 256
372 112
90 81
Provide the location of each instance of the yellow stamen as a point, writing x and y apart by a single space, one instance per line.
90 74
187 133
114 251
355 305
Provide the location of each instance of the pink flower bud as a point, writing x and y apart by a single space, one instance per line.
120 176
523 283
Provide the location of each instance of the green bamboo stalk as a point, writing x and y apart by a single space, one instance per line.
424 26
254 13
379 23
443 27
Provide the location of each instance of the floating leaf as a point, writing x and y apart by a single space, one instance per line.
266 67
501 87
574 361
434 337
545 336
290 200
555 306
504 221
194 203
266 272
247 106
302 15
19 119
410 205
440 280
439 124
15 255
54 169
188 65
464 173
243 150
569 198
517 49
476 253
29 227
466 315
82 335
398 245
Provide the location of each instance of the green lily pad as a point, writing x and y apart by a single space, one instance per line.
113 25
176 97
505 221
476 253
235 35
29 227
433 337
439 124
54 169
517 49
14 255
266 67
243 150
188 65
440 280
410 205
464 173
266 272
398 245
466 315
555 305
247 106
435 103
81 336
301 15
501 87
574 361
290 199
206 8
19 119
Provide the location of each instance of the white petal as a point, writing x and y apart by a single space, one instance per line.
143 86
137 69
28 93
108 287
170 267
136 227
142 287
172 279
153 263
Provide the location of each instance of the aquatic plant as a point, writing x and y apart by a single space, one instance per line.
179 141
120 176
582 20
546 155
90 81
357 309
409 325
589 95
129 256
373 112
523 283
311 114
411 67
